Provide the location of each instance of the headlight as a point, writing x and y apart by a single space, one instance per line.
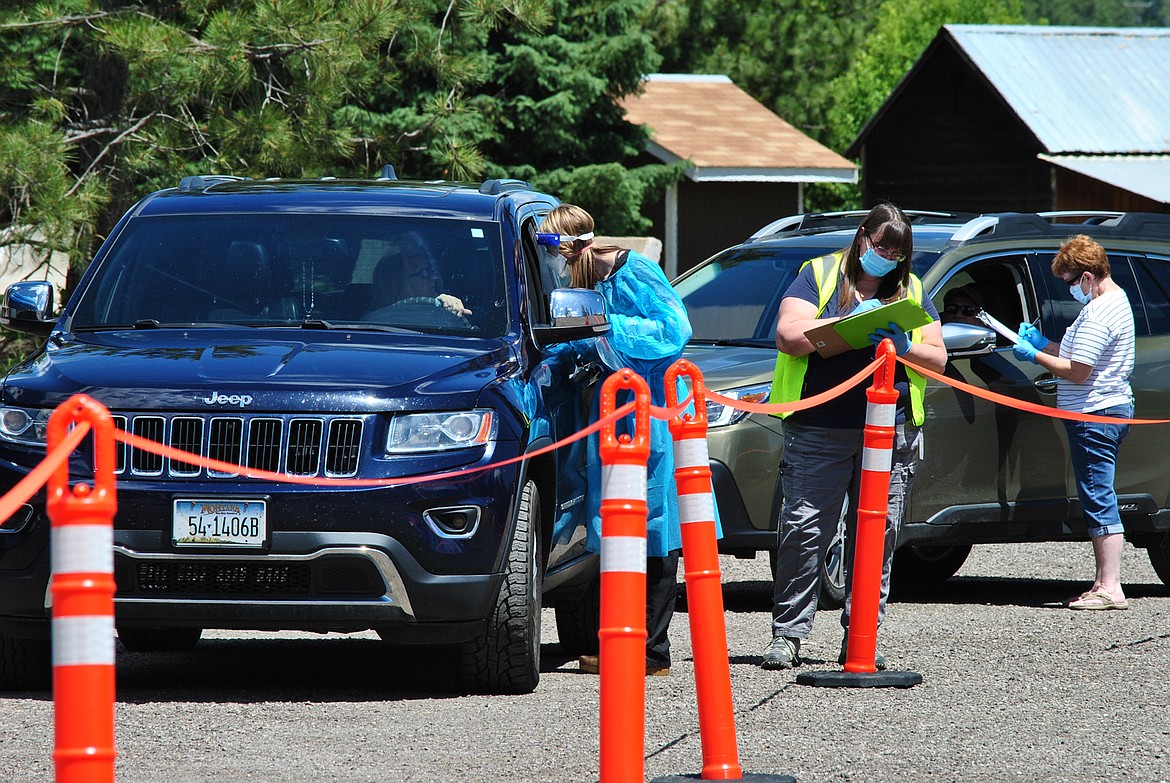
27 426
421 432
719 415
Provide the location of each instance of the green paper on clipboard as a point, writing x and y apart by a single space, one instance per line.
853 331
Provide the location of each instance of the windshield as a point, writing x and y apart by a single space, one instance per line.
303 271
735 295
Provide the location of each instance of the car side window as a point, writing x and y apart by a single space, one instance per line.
536 283
1000 285
1153 288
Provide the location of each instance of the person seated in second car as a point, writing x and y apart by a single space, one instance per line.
962 305
402 278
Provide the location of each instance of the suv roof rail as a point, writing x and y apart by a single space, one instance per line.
1022 223
823 221
387 173
200 182
494 187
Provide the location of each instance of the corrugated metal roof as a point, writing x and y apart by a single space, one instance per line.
1145 175
1079 89
726 134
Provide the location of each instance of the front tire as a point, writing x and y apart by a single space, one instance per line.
578 621
148 640
927 563
1159 552
506 657
25 664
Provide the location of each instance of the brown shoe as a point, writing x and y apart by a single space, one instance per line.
590 664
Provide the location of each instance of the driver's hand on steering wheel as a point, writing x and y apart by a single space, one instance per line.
453 304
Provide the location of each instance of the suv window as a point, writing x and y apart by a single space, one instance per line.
1153 274
284 270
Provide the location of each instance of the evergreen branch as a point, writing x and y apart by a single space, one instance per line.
76 20
113 142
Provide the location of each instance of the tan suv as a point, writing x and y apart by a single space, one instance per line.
990 473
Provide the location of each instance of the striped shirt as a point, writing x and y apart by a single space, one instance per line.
1102 337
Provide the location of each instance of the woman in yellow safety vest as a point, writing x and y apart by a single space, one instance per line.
823 445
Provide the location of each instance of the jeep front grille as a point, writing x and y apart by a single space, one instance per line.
295 445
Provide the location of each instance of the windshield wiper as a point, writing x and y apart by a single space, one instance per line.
146 323
316 323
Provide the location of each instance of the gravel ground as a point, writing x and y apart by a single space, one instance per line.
1015 688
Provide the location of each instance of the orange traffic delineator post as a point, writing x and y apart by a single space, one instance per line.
696 516
866 572
82 587
622 632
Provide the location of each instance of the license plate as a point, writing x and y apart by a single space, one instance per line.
236 523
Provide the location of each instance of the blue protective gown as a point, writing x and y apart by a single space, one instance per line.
648 330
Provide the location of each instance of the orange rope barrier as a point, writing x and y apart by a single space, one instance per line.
1023 405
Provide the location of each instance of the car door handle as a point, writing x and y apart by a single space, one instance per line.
1046 385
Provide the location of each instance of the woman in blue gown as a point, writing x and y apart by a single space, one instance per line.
648 330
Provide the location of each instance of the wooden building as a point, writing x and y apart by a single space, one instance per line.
745 165
1026 118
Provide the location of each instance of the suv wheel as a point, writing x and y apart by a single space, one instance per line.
833 576
25 664
159 639
506 657
1159 552
579 620
924 563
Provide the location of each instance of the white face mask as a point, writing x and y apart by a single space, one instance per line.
1078 294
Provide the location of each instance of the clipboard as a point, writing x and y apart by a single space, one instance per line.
853 331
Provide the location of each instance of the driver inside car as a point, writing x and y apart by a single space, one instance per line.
402 277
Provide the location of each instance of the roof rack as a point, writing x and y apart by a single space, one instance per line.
494 187
824 221
199 183
1047 224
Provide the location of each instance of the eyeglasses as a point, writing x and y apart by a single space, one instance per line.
885 252
951 309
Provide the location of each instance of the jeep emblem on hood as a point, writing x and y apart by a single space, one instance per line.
242 400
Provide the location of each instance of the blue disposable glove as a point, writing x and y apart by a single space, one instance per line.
866 304
1025 351
900 337
1033 337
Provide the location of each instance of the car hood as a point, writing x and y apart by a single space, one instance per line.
338 370
729 366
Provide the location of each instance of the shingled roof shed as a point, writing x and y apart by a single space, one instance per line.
746 166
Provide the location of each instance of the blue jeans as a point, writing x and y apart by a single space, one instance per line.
1093 450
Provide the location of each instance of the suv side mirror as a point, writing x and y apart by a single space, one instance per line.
27 308
968 339
576 313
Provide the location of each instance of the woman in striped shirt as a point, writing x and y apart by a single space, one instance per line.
1093 362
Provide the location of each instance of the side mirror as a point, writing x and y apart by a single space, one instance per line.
28 308
968 339
575 313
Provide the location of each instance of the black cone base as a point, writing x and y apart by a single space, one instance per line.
747 778
885 679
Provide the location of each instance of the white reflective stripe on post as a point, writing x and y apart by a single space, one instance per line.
82 549
696 507
882 414
691 453
625 482
624 554
83 641
877 459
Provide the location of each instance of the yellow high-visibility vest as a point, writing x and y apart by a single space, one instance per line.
788 378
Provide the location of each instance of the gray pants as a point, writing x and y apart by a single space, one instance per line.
819 466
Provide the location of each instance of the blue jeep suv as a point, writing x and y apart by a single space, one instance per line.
318 330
